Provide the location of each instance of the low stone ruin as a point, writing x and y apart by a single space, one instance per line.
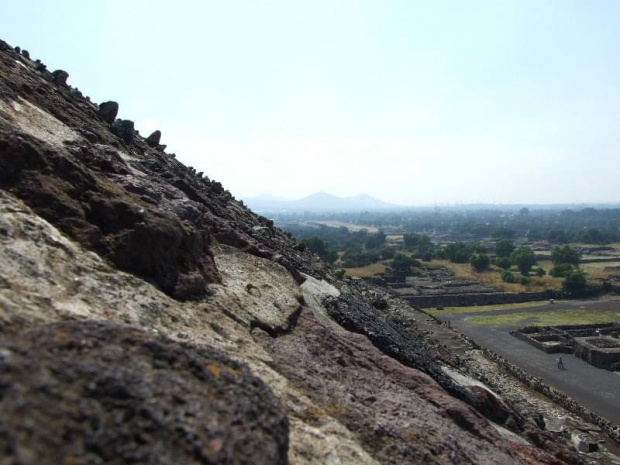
597 344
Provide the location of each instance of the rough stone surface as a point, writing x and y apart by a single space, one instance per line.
400 414
60 77
108 111
153 139
124 130
118 395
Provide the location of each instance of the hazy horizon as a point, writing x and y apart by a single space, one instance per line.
270 197
414 103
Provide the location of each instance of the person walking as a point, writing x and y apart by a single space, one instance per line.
560 363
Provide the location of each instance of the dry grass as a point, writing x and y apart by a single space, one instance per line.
596 271
486 308
367 271
493 277
547 318
349 226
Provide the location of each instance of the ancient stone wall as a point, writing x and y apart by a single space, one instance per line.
466 300
601 352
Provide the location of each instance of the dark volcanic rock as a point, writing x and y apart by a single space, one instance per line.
136 234
108 111
153 139
124 130
357 315
400 414
393 339
59 77
100 393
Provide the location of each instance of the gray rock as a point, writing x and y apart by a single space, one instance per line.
124 130
108 111
153 139
122 395
59 77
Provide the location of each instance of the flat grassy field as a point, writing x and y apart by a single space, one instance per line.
486 308
547 318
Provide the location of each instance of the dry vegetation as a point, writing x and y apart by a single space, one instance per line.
493 277
350 226
548 318
367 271
486 308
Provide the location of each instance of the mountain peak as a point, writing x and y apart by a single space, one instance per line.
321 201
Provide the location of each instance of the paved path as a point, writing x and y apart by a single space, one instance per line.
596 389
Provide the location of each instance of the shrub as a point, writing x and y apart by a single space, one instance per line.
458 252
387 253
561 270
575 282
480 261
503 262
504 248
508 277
402 263
524 258
540 272
565 254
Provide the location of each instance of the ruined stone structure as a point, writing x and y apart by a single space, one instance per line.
601 351
597 344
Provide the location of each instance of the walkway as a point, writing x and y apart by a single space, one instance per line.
596 389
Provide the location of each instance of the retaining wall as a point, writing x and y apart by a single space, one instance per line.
467 300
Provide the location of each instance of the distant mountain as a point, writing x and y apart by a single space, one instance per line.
320 201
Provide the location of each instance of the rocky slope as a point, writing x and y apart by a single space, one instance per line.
146 316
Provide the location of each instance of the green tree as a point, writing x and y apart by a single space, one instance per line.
402 263
503 233
561 270
414 240
504 248
524 259
480 261
575 282
387 253
458 252
320 248
503 262
375 241
565 254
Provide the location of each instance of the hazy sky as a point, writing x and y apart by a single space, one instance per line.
413 102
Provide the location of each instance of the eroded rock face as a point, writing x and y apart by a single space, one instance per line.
100 393
400 414
135 234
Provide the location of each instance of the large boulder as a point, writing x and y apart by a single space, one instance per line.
153 139
59 77
124 130
108 111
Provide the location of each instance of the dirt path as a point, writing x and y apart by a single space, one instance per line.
596 389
